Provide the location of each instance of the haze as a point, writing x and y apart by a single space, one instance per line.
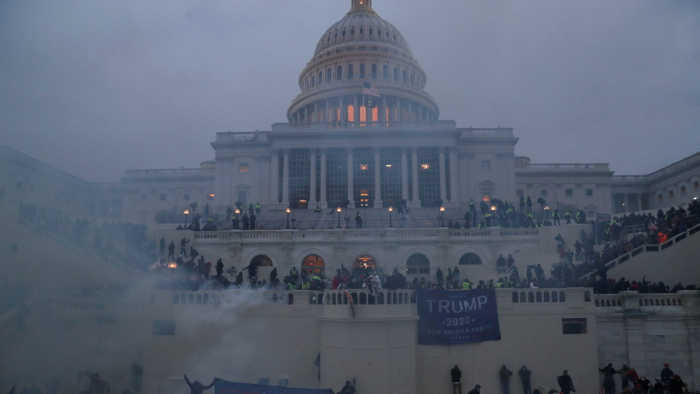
97 87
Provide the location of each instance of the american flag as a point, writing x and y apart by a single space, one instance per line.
652 226
370 90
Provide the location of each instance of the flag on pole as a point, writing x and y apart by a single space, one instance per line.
653 226
370 95
351 302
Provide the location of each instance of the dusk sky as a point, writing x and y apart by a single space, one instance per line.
95 87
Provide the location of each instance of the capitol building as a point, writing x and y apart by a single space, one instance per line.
362 137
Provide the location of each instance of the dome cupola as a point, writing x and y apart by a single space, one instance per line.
360 50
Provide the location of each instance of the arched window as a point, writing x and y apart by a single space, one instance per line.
385 71
470 259
328 75
313 81
418 264
412 79
339 73
343 33
352 31
261 261
313 265
365 263
404 76
351 113
374 71
396 74
379 32
370 31
362 70
362 30
350 71
320 77
515 297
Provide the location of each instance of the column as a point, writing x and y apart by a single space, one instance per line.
382 115
416 197
285 179
312 177
400 110
343 111
327 112
356 110
274 177
454 183
377 179
639 202
404 174
351 182
625 207
324 203
443 178
316 113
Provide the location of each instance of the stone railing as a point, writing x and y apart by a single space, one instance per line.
351 234
404 125
566 167
645 248
648 302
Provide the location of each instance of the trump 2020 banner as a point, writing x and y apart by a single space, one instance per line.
456 317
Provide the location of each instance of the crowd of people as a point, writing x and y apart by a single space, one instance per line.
126 242
632 383
565 382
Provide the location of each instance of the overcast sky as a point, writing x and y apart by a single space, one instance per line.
96 87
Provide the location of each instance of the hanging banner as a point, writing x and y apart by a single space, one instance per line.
225 387
456 317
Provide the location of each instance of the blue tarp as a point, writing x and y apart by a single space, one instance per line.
456 317
225 387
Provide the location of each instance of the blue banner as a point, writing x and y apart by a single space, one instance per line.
225 387
455 317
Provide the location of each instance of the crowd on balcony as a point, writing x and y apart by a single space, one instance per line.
126 242
631 382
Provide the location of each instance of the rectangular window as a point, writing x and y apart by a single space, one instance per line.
163 327
661 197
143 197
670 194
589 192
574 326
486 164
243 168
696 185
683 191
163 197
569 192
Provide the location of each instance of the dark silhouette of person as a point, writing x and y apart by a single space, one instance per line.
162 247
219 268
171 251
253 218
246 221
347 389
183 246
196 387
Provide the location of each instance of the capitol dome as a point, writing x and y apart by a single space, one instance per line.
360 49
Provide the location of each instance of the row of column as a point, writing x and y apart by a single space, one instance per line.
442 158
337 111
625 201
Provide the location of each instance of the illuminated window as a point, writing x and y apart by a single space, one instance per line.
574 326
351 113
375 114
210 196
364 167
389 166
243 168
363 114
425 166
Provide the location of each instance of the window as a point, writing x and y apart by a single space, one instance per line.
352 31
661 197
696 185
371 31
313 81
163 197
374 71
569 192
350 71
186 197
343 34
486 164
143 197
163 327
470 259
670 194
243 167
418 264
396 74
683 191
404 76
574 326
487 192
589 192
379 32
328 75
385 74
362 30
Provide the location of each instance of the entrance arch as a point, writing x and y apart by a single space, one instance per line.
470 259
313 264
418 263
261 260
365 263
